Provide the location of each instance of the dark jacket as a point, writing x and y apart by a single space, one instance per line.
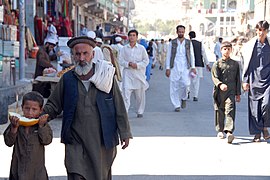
197 46
106 110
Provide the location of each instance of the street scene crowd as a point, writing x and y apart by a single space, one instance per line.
97 81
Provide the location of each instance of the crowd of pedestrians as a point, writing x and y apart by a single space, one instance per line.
95 95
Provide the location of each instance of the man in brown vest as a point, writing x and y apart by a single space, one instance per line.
180 63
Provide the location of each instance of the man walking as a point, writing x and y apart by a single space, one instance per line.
92 118
179 63
134 59
217 50
256 80
200 60
162 49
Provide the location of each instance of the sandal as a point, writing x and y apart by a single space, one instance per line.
257 138
266 134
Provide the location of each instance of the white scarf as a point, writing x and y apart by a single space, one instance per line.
103 77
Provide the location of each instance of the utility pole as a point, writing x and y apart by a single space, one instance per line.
264 9
128 11
22 39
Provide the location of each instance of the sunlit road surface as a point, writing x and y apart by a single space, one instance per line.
172 145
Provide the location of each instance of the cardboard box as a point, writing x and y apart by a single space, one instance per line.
11 48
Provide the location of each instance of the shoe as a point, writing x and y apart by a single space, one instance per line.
183 104
266 134
139 115
195 99
230 138
220 135
177 109
257 138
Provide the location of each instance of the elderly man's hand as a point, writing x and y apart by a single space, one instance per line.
125 143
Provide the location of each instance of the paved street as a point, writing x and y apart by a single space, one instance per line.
172 145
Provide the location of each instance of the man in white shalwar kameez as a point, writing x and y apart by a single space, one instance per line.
180 62
134 59
98 55
118 47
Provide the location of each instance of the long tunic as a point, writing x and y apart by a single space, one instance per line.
225 72
134 78
257 74
28 159
87 155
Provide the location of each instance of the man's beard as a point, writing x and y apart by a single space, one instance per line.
83 69
180 36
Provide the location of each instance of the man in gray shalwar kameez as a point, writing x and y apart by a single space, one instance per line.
256 80
92 119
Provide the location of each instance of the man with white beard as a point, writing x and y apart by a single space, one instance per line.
93 119
180 63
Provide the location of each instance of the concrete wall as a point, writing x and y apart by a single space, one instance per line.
8 96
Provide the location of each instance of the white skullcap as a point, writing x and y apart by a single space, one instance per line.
91 34
118 39
98 40
51 40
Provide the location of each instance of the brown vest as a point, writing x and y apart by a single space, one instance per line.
174 49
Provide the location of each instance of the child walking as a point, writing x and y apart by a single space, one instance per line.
28 159
226 77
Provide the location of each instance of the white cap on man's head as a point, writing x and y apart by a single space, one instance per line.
118 39
91 34
51 40
99 40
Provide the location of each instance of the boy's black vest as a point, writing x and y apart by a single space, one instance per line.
105 106
197 46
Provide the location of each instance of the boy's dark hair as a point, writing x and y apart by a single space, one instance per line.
262 24
226 44
133 31
192 34
180 26
33 96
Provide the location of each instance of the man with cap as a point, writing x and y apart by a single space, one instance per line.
99 42
43 62
117 48
97 50
93 119
51 32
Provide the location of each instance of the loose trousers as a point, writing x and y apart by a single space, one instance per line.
178 89
194 86
139 99
225 115
259 114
